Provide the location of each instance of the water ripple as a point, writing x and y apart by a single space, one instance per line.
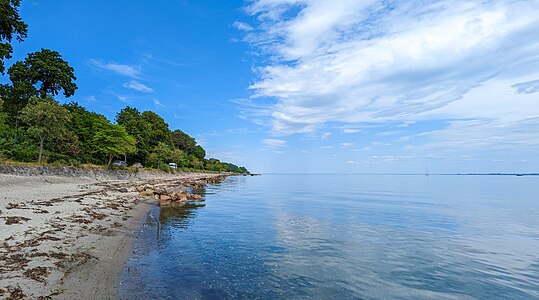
343 237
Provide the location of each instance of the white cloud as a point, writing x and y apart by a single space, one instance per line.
370 61
325 135
122 69
124 99
242 26
470 135
138 86
157 102
527 87
274 143
349 131
90 98
347 145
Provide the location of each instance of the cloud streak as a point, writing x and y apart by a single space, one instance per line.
138 86
121 69
274 143
377 61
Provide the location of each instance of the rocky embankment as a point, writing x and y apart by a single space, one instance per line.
79 172
168 194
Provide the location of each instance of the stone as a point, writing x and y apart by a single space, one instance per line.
163 202
195 197
160 191
165 197
147 193
123 190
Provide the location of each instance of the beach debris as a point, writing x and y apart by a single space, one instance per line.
37 274
15 293
45 246
15 220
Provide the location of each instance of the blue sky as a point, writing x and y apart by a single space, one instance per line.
314 85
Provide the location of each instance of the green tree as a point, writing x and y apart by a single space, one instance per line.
4 128
85 124
48 69
11 26
183 141
180 158
199 152
162 153
186 143
131 119
148 129
16 98
112 140
155 129
45 119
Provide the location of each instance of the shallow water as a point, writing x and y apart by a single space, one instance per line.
344 237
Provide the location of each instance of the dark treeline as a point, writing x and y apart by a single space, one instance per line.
35 127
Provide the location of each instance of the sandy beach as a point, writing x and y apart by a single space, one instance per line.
69 238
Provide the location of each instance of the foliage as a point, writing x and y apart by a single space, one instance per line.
45 119
11 26
131 119
16 97
112 140
187 144
48 68
70 134
4 128
84 125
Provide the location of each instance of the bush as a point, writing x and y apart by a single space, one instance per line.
113 167
24 154
166 168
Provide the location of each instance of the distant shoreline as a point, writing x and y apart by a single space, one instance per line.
411 174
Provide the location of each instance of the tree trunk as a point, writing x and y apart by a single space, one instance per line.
110 161
41 140
16 126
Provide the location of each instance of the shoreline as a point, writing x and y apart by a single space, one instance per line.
69 238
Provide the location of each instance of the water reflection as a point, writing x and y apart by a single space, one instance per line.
179 215
345 237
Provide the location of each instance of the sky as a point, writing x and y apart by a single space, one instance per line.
355 86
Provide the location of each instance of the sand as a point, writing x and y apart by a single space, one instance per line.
69 238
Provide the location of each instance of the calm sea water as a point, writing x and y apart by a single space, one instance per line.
344 237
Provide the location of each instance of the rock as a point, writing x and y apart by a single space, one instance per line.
165 197
147 193
160 191
195 197
163 202
123 190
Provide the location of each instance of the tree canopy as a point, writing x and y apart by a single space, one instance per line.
48 71
70 134
112 140
45 119
11 26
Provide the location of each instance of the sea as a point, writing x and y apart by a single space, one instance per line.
343 236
